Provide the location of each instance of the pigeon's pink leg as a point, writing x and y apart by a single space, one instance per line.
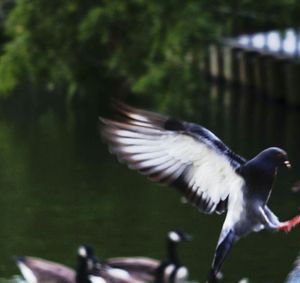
287 226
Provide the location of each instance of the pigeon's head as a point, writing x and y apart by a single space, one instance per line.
177 236
275 156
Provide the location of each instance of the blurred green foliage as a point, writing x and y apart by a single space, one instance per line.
81 46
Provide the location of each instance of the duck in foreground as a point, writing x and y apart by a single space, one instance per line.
150 270
37 270
209 174
90 270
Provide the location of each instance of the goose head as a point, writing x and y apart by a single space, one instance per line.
176 236
87 264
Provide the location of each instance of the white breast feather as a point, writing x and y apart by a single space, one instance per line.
27 273
96 279
118 273
182 274
168 271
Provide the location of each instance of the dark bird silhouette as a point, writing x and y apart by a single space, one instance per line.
196 162
37 270
169 270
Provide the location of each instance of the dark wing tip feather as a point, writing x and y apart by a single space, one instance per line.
121 108
173 125
132 115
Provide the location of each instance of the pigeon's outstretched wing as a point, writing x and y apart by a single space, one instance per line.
180 154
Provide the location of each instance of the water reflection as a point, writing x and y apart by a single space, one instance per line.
61 188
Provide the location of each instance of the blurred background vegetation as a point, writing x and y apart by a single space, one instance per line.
82 48
61 180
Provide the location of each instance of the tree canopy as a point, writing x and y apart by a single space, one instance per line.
79 46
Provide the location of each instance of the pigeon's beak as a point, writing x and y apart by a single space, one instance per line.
287 164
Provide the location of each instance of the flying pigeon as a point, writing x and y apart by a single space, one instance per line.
210 175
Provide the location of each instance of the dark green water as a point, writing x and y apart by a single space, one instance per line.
60 188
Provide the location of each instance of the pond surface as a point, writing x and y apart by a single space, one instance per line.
60 188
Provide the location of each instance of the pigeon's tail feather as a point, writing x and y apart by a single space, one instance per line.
220 254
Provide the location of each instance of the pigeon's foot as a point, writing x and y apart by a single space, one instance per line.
290 224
